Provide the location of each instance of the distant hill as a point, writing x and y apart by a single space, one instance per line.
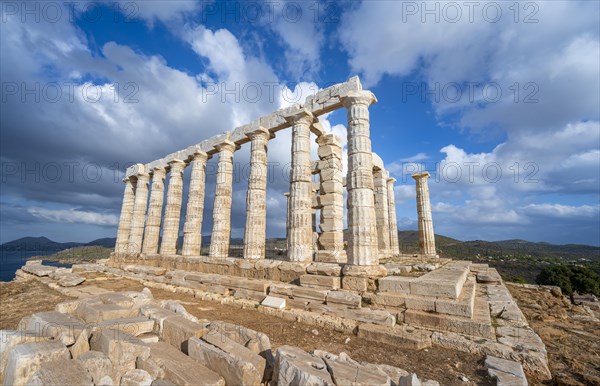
45 244
108 242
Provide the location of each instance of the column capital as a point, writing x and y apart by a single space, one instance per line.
302 116
158 171
226 145
142 176
177 165
359 98
260 132
200 155
420 176
391 180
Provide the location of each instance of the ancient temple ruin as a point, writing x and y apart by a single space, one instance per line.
372 227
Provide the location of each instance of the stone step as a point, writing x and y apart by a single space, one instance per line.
397 336
320 281
445 282
463 306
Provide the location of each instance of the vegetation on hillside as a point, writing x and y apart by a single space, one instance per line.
571 279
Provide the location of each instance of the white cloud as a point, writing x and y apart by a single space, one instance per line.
416 158
74 216
563 211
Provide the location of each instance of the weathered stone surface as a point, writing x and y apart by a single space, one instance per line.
398 336
70 280
445 282
274 302
344 298
390 299
328 269
25 359
12 338
358 284
96 312
177 330
170 364
57 325
410 380
96 364
309 293
351 373
81 345
291 271
234 362
449 323
136 377
144 269
367 315
397 284
423 303
61 372
121 348
320 281
158 314
135 326
294 366
369 271
463 306
505 372
38 269
253 340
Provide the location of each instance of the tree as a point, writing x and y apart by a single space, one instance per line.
558 275
570 279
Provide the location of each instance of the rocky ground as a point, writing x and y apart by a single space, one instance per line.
571 334
19 299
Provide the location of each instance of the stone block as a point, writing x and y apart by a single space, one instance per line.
505 372
281 289
158 314
135 326
397 284
320 281
344 298
136 377
81 345
291 271
25 359
121 348
269 268
294 366
96 364
449 323
12 338
38 269
234 362
390 299
60 326
463 306
366 315
171 365
352 283
351 373
309 293
70 280
327 269
334 255
422 303
99 312
274 302
61 372
67 307
255 341
397 336
249 294
397 269
144 269
177 330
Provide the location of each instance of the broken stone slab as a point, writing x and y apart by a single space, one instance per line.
38 269
310 293
121 348
274 302
344 372
158 314
61 372
177 330
450 323
67 307
96 364
25 359
148 338
144 269
410 380
366 315
12 338
249 295
320 281
171 365
257 342
81 345
344 298
505 372
366 271
294 366
95 312
235 363
281 289
177 308
136 377
396 284
398 336
70 280
57 325
397 269
327 269
135 326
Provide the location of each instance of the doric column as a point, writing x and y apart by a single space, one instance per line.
394 245
362 225
382 212
256 198
221 232
170 233
192 229
331 200
300 238
287 214
426 235
154 217
126 215
138 219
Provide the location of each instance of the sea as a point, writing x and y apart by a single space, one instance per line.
10 261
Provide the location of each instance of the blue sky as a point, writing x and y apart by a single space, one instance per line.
498 100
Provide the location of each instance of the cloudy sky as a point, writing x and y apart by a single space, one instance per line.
499 101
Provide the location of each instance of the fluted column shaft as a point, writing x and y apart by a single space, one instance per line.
426 234
221 232
362 226
300 238
382 212
256 197
192 229
138 219
154 217
170 233
394 245
125 218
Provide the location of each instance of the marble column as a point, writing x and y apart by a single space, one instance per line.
394 245
300 239
192 229
426 234
221 232
138 219
154 217
255 233
170 233
331 200
382 212
362 225
126 214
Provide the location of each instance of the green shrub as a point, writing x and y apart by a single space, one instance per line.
570 279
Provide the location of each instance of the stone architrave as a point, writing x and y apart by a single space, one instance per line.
154 217
192 229
221 232
170 232
362 224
